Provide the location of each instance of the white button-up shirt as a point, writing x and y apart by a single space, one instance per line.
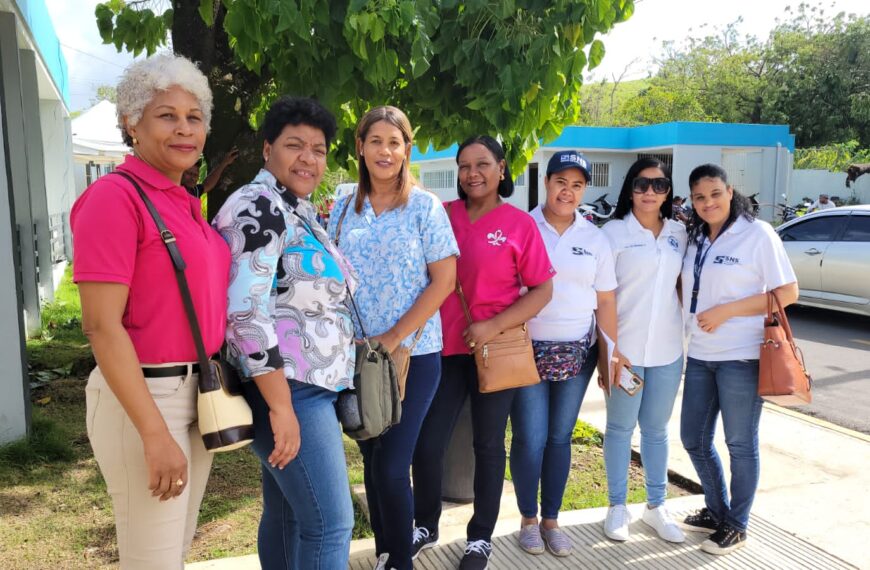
747 259
584 266
647 268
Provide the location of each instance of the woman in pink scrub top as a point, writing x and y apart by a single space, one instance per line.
501 251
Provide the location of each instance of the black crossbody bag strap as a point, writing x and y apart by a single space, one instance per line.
206 381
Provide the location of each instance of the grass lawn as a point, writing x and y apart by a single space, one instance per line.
54 509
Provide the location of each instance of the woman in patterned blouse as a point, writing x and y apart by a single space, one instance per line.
291 333
399 241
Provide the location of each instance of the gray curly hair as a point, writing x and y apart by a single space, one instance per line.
142 79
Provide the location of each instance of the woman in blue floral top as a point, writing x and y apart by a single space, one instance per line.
291 333
399 241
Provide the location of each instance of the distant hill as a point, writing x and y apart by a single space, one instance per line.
599 101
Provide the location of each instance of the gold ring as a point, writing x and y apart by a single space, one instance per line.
180 482
471 344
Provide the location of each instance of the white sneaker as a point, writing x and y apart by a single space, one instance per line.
616 523
660 520
382 561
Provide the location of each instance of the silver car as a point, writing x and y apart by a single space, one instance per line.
830 253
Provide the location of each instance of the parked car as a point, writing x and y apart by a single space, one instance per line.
830 253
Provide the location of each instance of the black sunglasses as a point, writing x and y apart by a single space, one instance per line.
659 185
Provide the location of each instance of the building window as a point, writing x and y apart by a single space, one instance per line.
439 179
521 179
600 174
89 175
668 159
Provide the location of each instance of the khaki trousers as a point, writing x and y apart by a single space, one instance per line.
151 534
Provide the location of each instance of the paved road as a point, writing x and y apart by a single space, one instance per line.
836 347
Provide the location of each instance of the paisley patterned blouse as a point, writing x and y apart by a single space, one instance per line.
390 253
287 288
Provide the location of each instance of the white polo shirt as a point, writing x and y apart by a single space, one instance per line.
647 268
584 266
747 259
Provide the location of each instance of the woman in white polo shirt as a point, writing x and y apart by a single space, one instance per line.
648 248
543 415
732 261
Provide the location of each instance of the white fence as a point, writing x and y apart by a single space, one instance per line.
811 183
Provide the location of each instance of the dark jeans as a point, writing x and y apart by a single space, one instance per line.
307 511
489 414
387 461
729 387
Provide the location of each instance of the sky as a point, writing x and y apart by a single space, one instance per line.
631 45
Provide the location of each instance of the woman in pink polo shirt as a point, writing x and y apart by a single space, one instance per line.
500 251
141 397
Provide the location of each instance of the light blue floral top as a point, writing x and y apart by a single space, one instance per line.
390 254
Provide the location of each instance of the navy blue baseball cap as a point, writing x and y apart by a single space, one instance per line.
565 159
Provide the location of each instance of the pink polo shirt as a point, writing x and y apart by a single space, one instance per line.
498 254
116 240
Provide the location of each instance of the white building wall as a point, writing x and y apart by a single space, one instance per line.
811 183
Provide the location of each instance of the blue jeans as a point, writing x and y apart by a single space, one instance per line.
542 419
729 387
307 511
651 407
387 464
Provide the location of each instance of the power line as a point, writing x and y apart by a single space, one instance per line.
92 55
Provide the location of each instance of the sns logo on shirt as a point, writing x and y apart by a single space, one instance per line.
496 237
675 245
580 251
726 260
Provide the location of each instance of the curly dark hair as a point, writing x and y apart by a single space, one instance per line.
623 204
297 111
740 205
506 186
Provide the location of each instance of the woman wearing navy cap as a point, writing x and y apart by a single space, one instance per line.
543 415
732 261
648 249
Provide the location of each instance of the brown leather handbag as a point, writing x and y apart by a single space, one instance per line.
507 361
782 376
402 360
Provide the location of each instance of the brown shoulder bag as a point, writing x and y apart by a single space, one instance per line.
782 376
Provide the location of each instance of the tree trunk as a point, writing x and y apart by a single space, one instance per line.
235 90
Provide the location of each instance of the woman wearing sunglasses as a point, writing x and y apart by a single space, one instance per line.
732 261
648 248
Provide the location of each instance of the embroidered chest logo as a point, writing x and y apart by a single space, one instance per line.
726 260
496 237
675 245
580 251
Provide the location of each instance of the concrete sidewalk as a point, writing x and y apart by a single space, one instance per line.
814 476
811 510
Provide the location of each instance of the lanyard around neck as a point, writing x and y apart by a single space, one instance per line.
700 258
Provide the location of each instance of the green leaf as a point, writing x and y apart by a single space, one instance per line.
206 11
596 54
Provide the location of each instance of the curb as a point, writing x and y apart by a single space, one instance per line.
816 421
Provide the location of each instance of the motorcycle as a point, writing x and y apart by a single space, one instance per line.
598 211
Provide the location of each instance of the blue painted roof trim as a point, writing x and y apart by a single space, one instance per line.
36 15
655 136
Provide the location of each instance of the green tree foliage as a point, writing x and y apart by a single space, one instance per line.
834 157
812 72
508 67
105 93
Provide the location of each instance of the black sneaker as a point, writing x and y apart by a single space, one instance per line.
726 539
422 539
477 554
701 521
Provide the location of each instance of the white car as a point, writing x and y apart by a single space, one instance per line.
830 253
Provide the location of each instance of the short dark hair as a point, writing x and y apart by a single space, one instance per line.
623 204
297 111
739 206
506 186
